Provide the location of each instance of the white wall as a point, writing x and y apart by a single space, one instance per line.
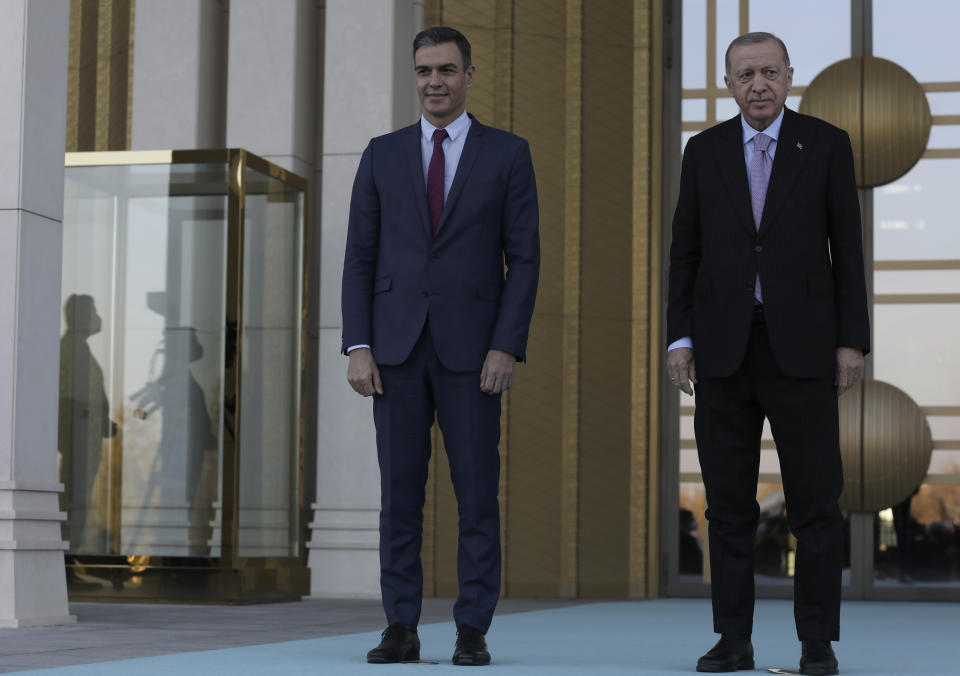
33 79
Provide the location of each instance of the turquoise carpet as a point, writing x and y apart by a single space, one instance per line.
663 636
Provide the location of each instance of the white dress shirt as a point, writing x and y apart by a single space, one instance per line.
773 131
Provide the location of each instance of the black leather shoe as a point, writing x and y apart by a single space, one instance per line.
471 650
399 644
818 659
730 654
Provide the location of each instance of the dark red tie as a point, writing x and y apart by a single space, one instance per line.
435 179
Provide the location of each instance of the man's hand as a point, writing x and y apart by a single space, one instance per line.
363 374
849 368
497 373
681 369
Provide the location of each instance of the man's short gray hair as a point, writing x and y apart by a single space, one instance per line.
753 39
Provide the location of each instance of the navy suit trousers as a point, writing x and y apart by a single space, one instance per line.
413 392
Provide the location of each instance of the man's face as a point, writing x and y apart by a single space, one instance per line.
759 81
442 82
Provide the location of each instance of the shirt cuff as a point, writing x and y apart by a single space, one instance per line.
686 341
356 347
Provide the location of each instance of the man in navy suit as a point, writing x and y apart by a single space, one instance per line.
433 326
767 316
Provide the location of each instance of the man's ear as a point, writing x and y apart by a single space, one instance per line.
469 72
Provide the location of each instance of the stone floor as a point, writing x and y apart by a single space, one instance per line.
115 631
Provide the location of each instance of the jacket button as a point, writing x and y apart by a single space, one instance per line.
758 248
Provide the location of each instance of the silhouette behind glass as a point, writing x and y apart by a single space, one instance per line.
84 422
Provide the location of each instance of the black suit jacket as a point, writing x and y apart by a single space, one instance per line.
808 250
397 273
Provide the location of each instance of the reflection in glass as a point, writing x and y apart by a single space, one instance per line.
918 540
774 546
270 414
84 425
147 252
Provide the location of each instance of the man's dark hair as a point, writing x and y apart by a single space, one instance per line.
438 35
753 39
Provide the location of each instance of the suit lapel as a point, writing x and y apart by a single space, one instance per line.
787 164
471 149
415 162
734 172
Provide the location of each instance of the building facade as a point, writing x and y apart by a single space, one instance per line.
600 491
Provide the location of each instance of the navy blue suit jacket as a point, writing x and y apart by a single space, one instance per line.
396 273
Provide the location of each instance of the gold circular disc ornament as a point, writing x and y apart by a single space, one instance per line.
886 446
881 106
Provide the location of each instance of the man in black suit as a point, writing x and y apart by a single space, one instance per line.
767 317
434 327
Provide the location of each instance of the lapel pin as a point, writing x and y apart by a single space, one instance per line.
799 145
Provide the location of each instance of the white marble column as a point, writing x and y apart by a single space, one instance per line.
272 77
271 81
179 75
33 78
368 90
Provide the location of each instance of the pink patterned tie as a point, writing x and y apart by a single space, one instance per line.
759 178
435 178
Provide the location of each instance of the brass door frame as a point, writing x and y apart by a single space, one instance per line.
228 578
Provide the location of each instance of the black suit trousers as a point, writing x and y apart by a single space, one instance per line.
803 416
413 392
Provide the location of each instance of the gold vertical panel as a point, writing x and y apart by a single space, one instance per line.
606 299
536 401
104 107
100 71
73 75
432 13
82 75
131 23
570 405
578 475
646 162
462 13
